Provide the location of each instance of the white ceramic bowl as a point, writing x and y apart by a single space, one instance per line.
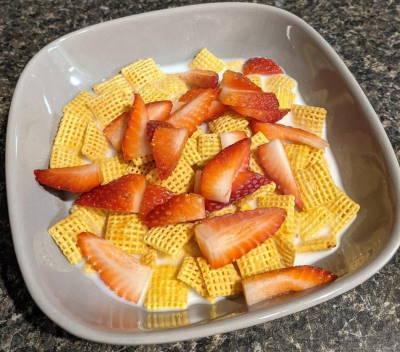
367 164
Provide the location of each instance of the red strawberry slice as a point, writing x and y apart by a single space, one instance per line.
115 130
135 143
236 81
180 208
221 170
197 181
167 145
224 239
154 196
249 99
200 78
283 281
272 115
159 110
176 105
194 112
121 195
229 138
153 125
122 273
245 183
295 135
260 65
191 94
72 179
274 161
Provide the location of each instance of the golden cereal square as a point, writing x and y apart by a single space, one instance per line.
254 166
223 281
275 82
286 250
316 245
166 294
141 72
169 239
229 209
62 156
258 139
127 232
164 272
205 60
285 98
79 106
311 118
263 191
117 82
190 274
190 152
95 145
208 145
96 218
315 156
149 258
151 92
312 222
166 320
142 169
299 155
264 257
112 168
256 79
228 122
142 160
173 86
235 65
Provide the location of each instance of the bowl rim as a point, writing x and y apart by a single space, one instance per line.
213 326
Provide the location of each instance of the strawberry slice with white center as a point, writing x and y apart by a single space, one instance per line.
153 125
154 196
229 138
167 145
224 239
121 195
234 81
200 78
274 161
287 133
261 65
283 281
75 179
273 115
135 143
245 183
159 110
221 170
115 130
122 273
194 112
180 208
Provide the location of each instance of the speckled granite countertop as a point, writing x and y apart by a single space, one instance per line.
366 34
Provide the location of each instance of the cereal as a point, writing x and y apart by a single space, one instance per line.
208 146
117 82
190 274
227 123
311 118
285 98
275 82
165 294
205 60
141 72
95 144
173 86
112 168
62 156
96 218
235 66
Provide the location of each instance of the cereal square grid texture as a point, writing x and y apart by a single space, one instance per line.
299 155
109 105
263 191
180 181
142 160
95 145
313 221
256 79
205 60
285 98
258 139
143 169
190 274
65 234
208 146
190 152
230 209
316 185
311 118
227 123
224 281
62 156
275 82
112 168
126 232
166 294
149 258
141 72
318 244
166 320
286 249
264 257
150 92
79 106
235 66
164 272
96 218
169 239
173 86
117 82
254 165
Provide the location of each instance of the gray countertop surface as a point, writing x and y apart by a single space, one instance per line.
366 34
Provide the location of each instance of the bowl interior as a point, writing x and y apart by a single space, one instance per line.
75 62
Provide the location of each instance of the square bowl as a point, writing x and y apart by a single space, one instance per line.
366 162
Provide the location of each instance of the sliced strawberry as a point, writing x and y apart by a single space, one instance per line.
194 112
122 273
153 125
236 81
221 170
121 195
197 181
229 138
159 110
176 105
167 145
191 94
245 183
283 281
115 130
287 133
273 115
260 65
223 239
274 161
72 179
200 78
180 208
135 143
249 99
154 196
